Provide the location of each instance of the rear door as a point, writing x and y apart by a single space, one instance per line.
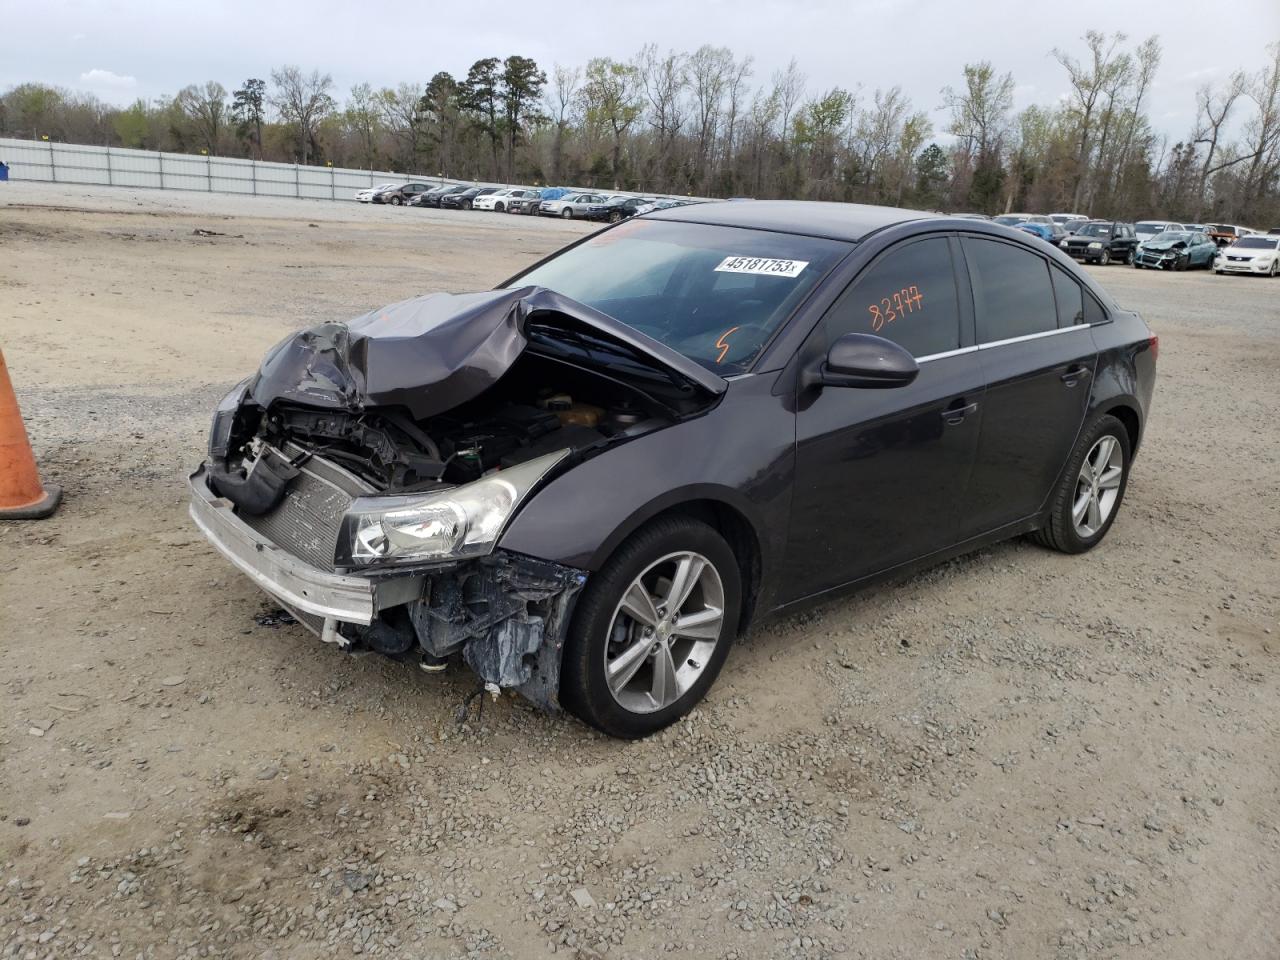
881 475
1038 358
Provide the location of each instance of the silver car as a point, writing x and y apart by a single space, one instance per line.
571 205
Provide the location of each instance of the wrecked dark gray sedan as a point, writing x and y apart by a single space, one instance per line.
588 482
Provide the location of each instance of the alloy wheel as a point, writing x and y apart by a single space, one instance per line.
1105 258
664 631
1097 487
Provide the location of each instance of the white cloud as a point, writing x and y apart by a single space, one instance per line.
107 80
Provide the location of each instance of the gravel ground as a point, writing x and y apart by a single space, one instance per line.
1018 754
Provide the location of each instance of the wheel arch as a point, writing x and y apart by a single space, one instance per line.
1126 411
711 507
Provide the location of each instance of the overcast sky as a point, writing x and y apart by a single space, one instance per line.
124 49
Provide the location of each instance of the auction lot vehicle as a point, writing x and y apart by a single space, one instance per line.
571 205
527 203
366 196
1256 255
589 481
1102 241
616 208
1146 229
463 199
1223 234
499 200
401 193
1176 250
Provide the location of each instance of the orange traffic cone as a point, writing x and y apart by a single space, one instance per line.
22 496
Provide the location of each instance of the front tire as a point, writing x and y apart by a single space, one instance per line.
567 213
1105 258
499 208
1088 496
652 629
396 201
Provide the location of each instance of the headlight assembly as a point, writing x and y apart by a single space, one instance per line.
1095 245
463 521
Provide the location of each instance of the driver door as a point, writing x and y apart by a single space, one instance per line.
882 475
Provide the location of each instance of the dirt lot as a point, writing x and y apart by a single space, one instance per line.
1019 754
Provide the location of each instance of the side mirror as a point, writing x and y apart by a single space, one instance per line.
862 360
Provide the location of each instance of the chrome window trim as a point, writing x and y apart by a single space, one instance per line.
945 354
1002 343
1033 336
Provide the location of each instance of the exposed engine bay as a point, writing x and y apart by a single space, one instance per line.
542 404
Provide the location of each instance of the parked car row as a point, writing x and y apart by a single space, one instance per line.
531 201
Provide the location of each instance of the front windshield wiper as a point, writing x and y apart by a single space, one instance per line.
589 344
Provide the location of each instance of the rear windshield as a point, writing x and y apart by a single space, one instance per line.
1256 243
714 294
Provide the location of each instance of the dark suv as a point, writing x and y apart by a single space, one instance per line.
1102 241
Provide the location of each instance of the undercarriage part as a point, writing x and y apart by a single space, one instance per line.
508 615
257 488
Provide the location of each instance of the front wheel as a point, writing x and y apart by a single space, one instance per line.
396 201
567 213
1092 487
498 207
652 629
1105 259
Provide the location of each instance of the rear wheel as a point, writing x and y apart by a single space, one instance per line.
652 629
1088 497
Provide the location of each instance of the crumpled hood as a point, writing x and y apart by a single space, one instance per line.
1163 245
432 353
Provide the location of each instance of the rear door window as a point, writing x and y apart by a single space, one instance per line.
1012 294
907 296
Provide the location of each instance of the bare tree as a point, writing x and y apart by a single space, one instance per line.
560 101
207 109
1090 82
302 102
665 78
1263 132
1214 108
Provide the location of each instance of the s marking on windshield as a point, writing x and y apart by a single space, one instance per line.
762 265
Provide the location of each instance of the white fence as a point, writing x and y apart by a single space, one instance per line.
112 166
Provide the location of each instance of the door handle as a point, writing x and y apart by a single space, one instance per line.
1075 375
956 414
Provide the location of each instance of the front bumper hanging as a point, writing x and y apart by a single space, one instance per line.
506 613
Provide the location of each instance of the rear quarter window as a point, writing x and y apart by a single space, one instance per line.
1012 294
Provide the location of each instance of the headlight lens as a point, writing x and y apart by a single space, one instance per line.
1095 245
463 521
224 419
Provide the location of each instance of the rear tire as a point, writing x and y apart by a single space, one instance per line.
1072 525
603 633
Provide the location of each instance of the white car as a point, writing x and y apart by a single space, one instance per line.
366 196
1250 255
499 199
1062 219
1146 229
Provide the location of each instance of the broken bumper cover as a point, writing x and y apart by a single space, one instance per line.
297 584
507 613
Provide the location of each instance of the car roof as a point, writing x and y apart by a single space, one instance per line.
813 218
